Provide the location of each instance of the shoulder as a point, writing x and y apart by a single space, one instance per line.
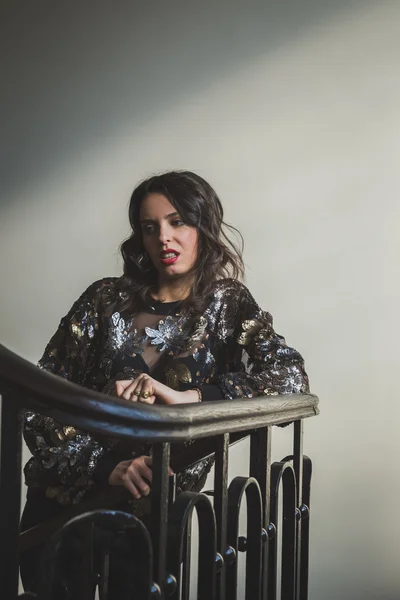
106 285
230 291
100 292
229 286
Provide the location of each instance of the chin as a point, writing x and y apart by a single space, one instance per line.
172 273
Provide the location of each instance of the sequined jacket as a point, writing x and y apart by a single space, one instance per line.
230 351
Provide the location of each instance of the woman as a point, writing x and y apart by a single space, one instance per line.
177 327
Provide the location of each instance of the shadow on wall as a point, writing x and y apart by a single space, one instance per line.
77 73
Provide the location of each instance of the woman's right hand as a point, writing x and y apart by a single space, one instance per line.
136 475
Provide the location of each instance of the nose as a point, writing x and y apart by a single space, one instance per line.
165 233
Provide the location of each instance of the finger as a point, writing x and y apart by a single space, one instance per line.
147 473
137 479
147 400
146 469
146 390
138 384
124 388
120 386
142 485
131 487
129 393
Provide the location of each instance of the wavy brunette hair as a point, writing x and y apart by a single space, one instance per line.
198 206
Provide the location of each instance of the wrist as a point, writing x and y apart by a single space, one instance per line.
193 396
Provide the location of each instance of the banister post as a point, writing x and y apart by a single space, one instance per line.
260 469
159 507
10 496
221 505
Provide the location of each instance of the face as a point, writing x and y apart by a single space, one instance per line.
169 242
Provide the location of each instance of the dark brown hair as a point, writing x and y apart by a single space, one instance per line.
198 206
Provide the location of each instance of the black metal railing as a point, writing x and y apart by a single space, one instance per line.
165 550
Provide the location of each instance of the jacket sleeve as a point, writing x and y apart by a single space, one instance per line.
65 459
260 362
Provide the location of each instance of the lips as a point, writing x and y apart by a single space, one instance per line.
169 256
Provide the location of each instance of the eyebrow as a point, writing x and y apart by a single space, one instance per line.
173 214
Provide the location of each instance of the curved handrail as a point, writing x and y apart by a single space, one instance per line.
33 388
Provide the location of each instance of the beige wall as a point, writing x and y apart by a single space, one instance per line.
293 114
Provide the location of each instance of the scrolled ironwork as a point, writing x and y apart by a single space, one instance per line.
252 544
87 543
283 473
180 515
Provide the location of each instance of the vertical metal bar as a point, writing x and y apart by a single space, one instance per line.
282 473
298 458
298 470
85 579
260 469
221 504
271 580
187 553
206 573
10 496
104 574
288 578
254 543
180 516
171 489
159 507
234 503
87 575
305 518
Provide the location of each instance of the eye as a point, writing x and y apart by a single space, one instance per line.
148 229
177 222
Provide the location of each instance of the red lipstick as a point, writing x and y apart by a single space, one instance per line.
169 256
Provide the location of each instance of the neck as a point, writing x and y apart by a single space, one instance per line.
172 291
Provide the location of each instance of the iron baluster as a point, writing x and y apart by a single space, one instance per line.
180 517
260 469
10 495
283 473
252 543
159 507
186 567
298 470
221 505
305 527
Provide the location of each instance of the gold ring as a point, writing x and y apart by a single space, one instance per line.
145 394
136 392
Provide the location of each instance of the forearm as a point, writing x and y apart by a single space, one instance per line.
64 459
187 397
289 378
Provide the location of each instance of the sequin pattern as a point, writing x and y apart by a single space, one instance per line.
233 344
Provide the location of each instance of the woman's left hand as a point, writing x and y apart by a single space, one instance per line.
146 389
